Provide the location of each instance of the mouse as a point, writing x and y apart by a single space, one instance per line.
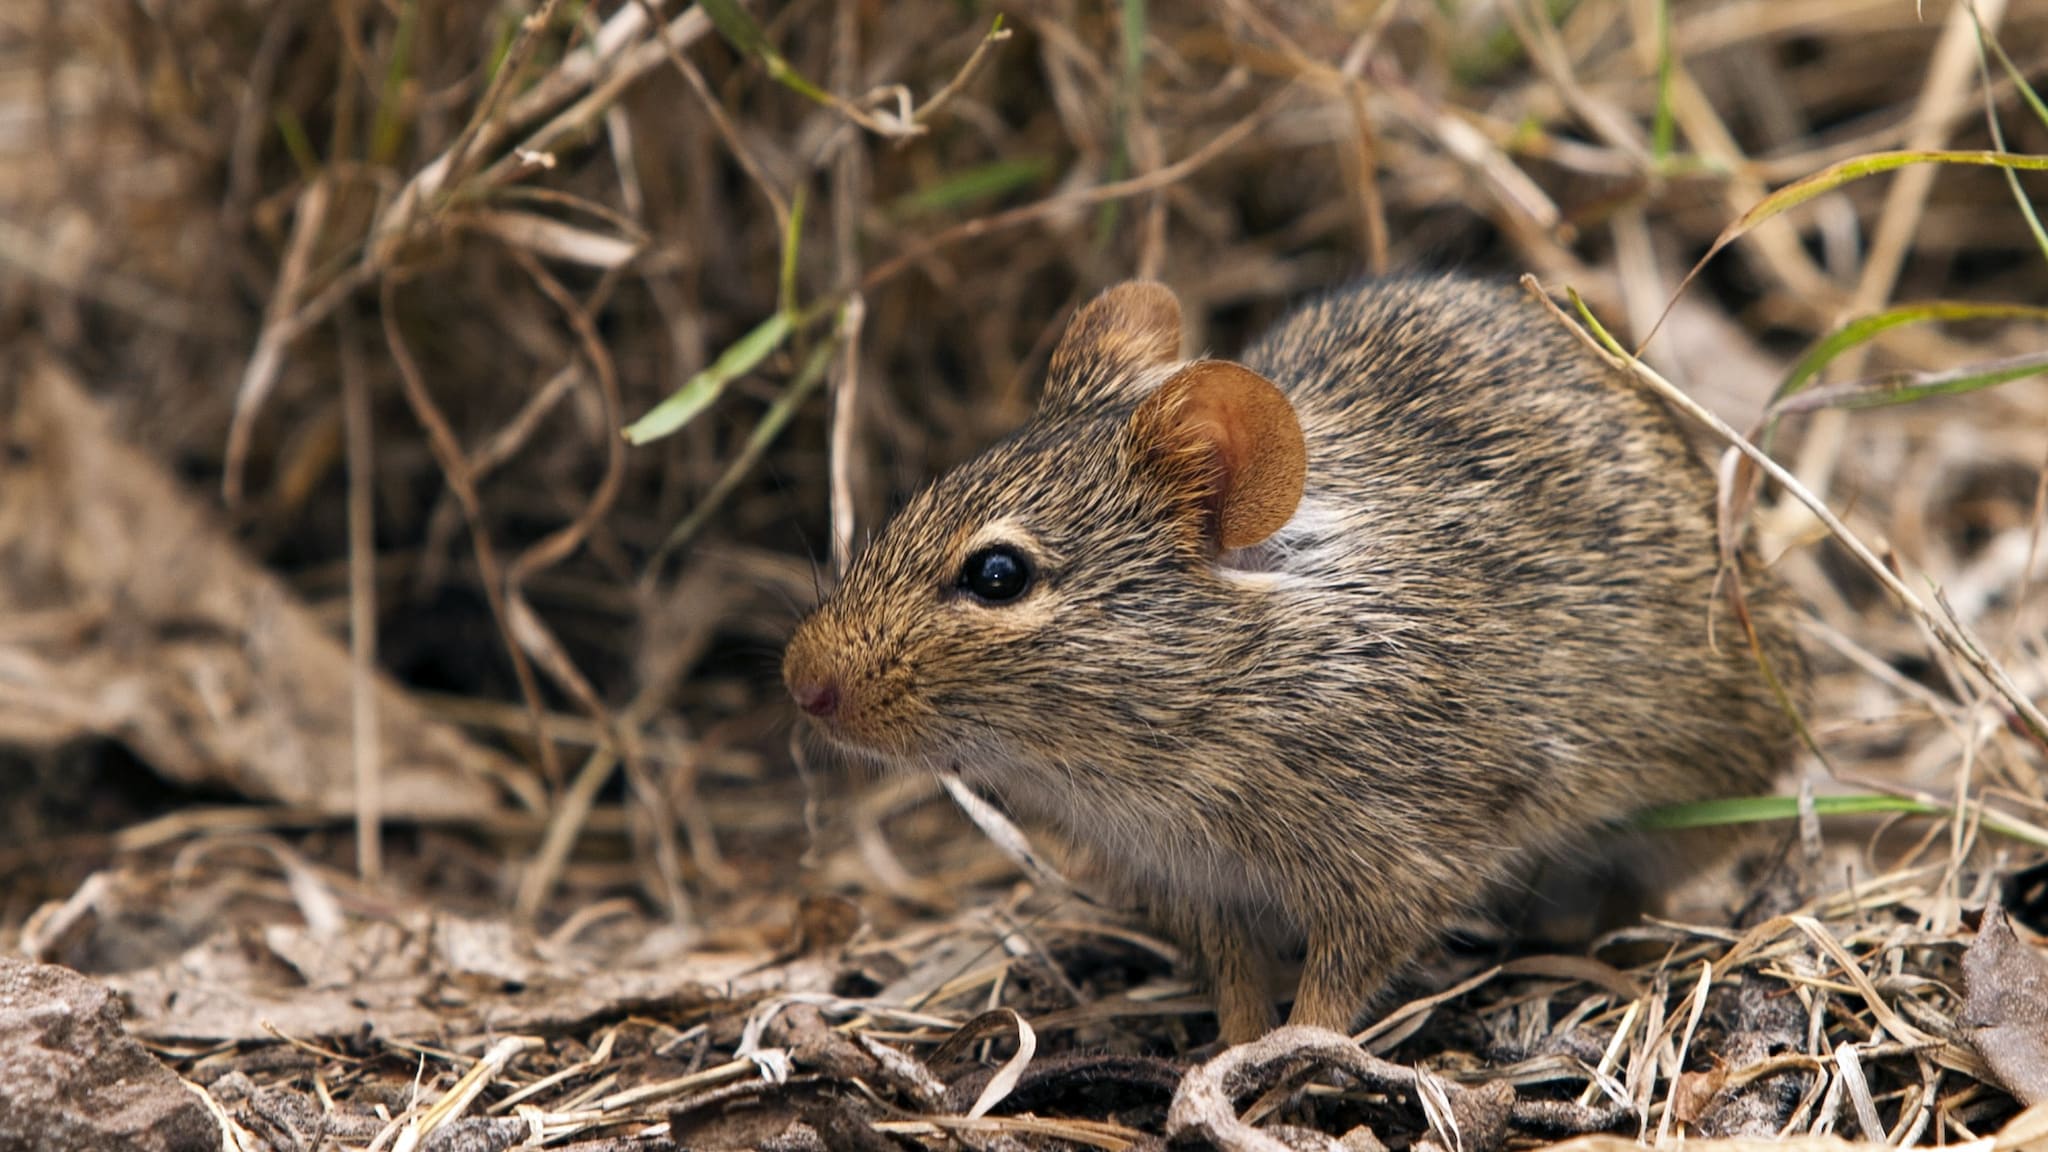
1321 647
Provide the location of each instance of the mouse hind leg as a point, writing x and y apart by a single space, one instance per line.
1351 959
1236 962
1339 978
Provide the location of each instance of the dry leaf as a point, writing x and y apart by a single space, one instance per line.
1693 1092
825 924
130 615
2005 1006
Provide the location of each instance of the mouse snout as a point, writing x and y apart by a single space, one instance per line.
814 682
850 692
819 698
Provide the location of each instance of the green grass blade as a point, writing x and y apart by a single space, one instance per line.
1846 172
1985 39
979 183
740 30
503 35
2019 78
1594 326
1859 167
792 239
1907 387
1663 129
2032 97
1862 329
298 142
783 73
772 423
1134 24
703 389
387 131
1133 20
736 24
1760 809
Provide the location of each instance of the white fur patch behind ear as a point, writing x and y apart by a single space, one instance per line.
1310 540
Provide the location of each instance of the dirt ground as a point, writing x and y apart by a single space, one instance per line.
395 752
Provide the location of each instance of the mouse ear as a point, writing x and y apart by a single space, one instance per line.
1111 342
1227 441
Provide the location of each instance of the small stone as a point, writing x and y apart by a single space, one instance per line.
71 1077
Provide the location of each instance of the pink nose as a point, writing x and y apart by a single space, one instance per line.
819 698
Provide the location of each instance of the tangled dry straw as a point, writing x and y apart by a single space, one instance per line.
383 282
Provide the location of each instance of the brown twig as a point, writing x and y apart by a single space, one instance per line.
454 465
282 327
365 740
455 169
1193 162
741 154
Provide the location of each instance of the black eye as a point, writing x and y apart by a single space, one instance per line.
996 574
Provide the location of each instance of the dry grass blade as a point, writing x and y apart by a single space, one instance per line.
737 26
566 822
233 1136
1004 834
552 238
1844 172
1892 1021
553 548
997 34
282 326
1109 1137
456 167
1012 1070
743 155
840 456
1858 1089
1692 1023
458 1099
1957 640
1986 41
362 621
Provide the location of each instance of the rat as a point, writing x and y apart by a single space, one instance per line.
1318 649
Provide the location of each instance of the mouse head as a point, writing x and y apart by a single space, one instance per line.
1049 592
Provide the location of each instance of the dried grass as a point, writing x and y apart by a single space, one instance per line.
399 273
